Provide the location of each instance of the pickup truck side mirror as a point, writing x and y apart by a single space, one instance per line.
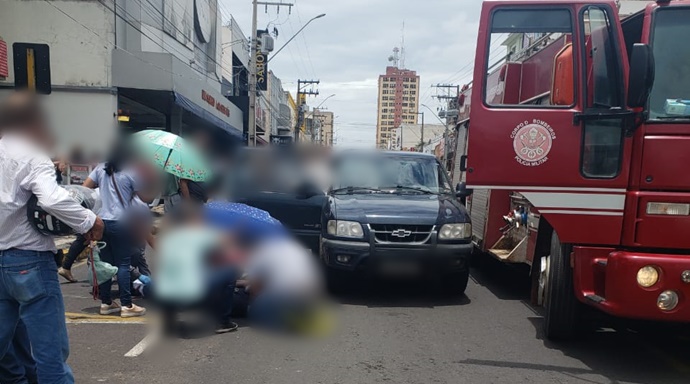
641 75
462 191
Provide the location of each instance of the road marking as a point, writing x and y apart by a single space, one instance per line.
87 318
141 347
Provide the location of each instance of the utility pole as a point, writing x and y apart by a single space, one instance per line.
301 103
252 66
448 97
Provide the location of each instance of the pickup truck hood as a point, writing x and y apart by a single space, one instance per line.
399 209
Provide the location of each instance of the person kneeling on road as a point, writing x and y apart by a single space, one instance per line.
193 272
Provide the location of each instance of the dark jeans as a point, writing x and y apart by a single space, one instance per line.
139 262
119 250
77 247
217 302
18 366
30 295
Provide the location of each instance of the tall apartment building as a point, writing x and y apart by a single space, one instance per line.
398 103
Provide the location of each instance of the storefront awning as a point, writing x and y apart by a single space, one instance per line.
202 113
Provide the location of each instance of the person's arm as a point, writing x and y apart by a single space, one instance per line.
184 188
57 201
89 183
151 240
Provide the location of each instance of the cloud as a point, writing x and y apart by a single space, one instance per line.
348 49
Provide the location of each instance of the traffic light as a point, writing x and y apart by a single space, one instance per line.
32 67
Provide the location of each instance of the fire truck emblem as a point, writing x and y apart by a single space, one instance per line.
532 142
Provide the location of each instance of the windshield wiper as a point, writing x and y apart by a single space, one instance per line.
401 187
351 189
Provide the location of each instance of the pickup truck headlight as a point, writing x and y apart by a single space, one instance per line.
343 228
455 231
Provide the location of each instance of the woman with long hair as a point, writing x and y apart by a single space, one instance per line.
118 186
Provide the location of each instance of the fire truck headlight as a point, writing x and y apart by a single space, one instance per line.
667 300
647 276
455 231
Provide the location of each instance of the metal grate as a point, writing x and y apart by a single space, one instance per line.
395 233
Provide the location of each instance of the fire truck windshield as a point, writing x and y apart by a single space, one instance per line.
670 97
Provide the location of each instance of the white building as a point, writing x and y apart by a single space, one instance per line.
409 136
157 63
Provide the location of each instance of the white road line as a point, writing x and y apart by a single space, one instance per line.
141 347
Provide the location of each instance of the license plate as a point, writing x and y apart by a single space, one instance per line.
399 268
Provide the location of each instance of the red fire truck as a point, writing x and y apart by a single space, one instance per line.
578 149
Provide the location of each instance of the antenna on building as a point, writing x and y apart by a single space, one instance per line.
395 58
402 47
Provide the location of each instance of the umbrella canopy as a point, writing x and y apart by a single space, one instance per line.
249 220
173 154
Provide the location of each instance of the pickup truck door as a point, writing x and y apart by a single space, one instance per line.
300 214
548 113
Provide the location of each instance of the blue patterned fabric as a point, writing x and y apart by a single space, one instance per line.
247 220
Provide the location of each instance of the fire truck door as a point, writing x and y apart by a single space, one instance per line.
562 146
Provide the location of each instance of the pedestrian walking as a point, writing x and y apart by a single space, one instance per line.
29 288
117 188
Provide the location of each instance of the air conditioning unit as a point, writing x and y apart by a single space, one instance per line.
267 43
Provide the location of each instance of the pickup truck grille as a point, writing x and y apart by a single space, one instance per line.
394 233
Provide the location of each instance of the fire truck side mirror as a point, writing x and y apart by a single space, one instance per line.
641 75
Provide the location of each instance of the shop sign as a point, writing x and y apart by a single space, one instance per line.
4 69
261 66
78 173
210 100
281 140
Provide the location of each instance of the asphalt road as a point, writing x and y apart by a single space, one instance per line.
386 334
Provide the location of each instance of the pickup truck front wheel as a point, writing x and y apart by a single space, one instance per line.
456 283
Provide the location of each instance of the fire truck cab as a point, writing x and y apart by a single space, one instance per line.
578 150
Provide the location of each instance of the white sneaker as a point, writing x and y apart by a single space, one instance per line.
133 311
106 309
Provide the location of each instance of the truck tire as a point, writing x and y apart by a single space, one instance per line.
336 281
456 283
561 305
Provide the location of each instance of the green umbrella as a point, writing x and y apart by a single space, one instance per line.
173 154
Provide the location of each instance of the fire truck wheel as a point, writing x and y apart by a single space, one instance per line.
561 306
456 283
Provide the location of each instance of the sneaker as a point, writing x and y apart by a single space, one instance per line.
67 274
226 327
106 309
133 311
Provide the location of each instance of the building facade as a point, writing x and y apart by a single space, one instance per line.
398 102
408 137
324 127
150 65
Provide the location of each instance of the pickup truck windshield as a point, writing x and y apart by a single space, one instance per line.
670 96
390 174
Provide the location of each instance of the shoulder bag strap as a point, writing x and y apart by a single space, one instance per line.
117 189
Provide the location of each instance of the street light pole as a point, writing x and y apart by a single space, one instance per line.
295 35
252 77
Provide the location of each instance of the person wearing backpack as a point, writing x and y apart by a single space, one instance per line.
118 187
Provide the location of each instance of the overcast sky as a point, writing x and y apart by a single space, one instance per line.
349 48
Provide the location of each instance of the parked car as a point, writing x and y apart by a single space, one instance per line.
394 213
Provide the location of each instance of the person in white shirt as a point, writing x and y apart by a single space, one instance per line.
29 288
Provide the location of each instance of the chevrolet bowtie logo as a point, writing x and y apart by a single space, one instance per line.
401 233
